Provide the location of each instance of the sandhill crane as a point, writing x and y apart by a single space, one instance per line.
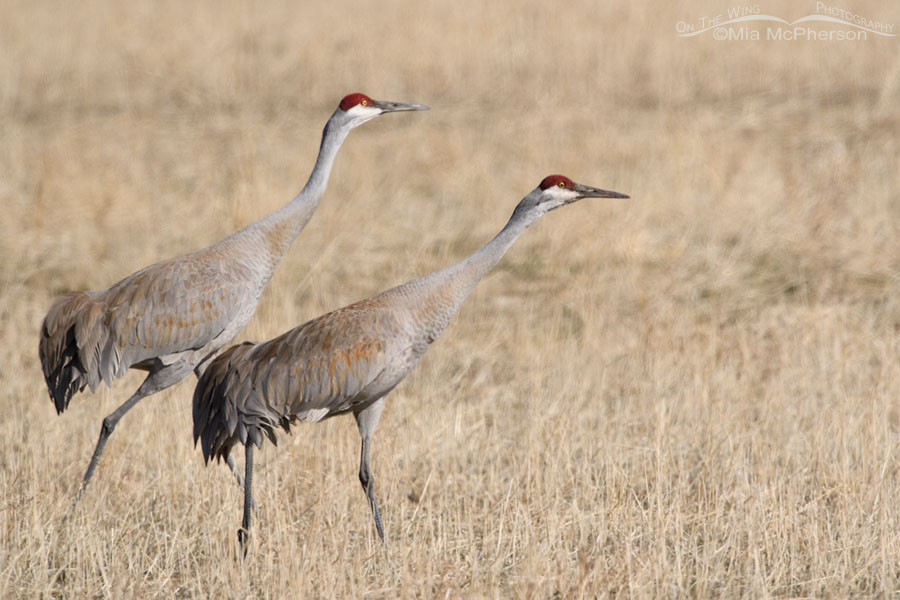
350 359
174 316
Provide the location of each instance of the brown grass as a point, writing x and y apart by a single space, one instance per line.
689 394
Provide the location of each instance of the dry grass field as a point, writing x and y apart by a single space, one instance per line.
692 393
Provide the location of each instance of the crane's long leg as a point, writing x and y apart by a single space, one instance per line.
240 482
367 421
368 484
109 424
244 531
157 380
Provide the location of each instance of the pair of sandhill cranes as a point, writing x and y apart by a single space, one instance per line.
175 316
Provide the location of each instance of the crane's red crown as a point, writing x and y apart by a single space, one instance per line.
556 180
351 100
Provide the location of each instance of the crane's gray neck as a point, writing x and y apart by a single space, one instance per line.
333 136
443 293
282 227
473 269
297 213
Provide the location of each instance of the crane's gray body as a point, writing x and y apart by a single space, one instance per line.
169 317
343 361
174 316
350 359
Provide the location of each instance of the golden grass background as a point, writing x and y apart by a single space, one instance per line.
692 393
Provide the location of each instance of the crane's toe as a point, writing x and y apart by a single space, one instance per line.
243 540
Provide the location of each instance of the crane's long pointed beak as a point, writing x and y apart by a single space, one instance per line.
586 191
397 106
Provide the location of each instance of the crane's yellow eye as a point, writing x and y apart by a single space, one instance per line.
561 184
365 102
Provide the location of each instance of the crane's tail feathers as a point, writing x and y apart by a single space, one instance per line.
76 349
223 407
65 374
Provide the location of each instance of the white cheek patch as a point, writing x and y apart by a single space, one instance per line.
562 194
363 112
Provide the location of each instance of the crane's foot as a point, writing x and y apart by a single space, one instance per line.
243 540
77 498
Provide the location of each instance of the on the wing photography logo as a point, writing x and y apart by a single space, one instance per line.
829 23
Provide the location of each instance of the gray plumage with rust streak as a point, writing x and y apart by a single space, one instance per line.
174 316
348 360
